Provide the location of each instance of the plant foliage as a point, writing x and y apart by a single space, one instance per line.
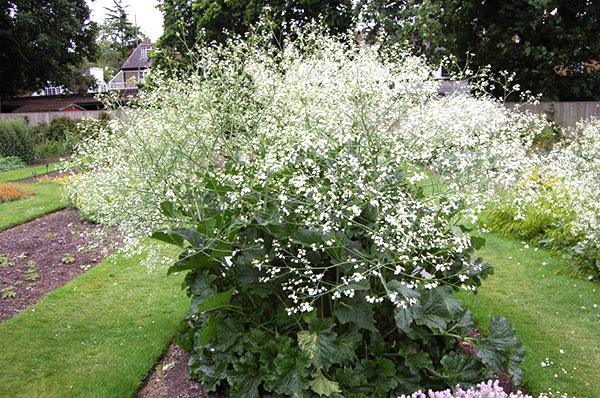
316 197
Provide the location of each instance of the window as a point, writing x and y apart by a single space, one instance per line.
53 90
145 50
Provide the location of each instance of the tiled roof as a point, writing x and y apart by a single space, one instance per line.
136 59
50 103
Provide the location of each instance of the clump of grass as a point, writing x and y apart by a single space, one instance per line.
10 192
5 261
32 272
8 293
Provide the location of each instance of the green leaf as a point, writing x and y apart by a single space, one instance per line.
209 331
403 318
323 386
438 307
477 242
168 209
319 344
462 368
197 261
168 237
290 377
418 361
217 301
356 311
307 237
245 378
502 350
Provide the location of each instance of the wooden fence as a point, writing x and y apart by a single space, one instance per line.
34 118
563 113
566 114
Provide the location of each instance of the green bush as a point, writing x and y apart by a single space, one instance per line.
62 135
321 259
10 163
16 139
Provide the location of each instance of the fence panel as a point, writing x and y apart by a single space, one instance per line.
34 118
563 113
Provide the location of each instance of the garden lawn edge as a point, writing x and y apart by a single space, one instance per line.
100 335
553 313
46 198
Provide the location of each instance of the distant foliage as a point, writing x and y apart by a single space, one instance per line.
16 139
509 35
62 135
10 163
556 203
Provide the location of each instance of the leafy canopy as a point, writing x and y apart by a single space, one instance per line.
43 41
548 44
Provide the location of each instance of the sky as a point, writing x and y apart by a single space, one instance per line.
149 18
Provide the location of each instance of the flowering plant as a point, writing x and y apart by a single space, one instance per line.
556 203
489 389
318 219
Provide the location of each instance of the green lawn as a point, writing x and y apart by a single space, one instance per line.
26 172
551 312
97 336
46 198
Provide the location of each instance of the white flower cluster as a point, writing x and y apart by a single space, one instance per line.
564 184
325 135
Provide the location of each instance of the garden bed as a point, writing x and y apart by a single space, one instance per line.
43 254
169 378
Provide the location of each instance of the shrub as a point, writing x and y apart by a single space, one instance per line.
556 203
16 139
316 194
10 192
62 135
10 163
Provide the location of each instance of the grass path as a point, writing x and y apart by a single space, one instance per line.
46 198
97 336
551 312
26 172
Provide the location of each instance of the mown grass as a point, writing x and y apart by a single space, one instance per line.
27 172
97 336
550 311
45 198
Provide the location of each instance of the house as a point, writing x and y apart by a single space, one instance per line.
94 72
97 73
133 70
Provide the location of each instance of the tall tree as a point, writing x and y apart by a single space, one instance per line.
118 36
41 41
547 43
118 31
188 21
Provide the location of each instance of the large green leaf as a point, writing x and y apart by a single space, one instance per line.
170 238
357 312
319 344
214 302
462 369
290 376
323 386
502 350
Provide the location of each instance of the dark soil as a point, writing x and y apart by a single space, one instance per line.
169 378
46 253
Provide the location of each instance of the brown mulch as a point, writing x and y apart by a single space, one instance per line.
169 378
58 246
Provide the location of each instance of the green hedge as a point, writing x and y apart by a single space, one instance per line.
16 139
